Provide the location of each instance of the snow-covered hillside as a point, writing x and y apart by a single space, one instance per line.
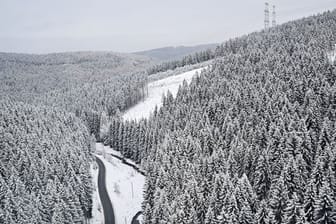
155 91
124 186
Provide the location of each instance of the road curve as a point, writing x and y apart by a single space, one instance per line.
104 197
135 218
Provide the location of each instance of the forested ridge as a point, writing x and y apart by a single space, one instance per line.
190 59
175 53
250 140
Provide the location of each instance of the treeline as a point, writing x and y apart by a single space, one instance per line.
44 166
132 139
187 60
251 140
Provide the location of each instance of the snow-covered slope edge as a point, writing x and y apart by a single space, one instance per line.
155 91
97 211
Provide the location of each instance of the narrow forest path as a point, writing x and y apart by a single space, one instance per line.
104 197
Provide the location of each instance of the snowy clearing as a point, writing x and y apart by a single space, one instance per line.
124 186
97 210
155 91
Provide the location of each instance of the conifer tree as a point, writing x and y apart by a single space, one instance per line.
262 213
324 209
293 211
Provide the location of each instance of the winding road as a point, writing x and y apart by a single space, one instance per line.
104 197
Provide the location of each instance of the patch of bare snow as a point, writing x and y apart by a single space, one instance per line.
155 91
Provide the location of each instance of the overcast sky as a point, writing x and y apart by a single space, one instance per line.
42 26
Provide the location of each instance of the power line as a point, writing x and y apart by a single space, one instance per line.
273 17
267 19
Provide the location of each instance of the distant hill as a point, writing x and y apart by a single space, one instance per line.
84 59
75 81
174 53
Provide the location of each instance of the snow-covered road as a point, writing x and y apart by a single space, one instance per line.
104 196
124 185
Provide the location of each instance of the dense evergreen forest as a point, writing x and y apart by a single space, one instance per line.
84 83
49 107
44 166
250 140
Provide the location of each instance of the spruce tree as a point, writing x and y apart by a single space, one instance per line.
324 209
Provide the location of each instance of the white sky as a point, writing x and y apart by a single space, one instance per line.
42 26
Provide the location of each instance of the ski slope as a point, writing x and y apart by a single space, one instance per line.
155 91
124 185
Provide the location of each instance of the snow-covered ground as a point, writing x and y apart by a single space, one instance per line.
155 91
97 210
124 186
104 150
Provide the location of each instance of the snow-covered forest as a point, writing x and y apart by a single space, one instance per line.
45 149
50 105
191 59
44 166
251 140
85 83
